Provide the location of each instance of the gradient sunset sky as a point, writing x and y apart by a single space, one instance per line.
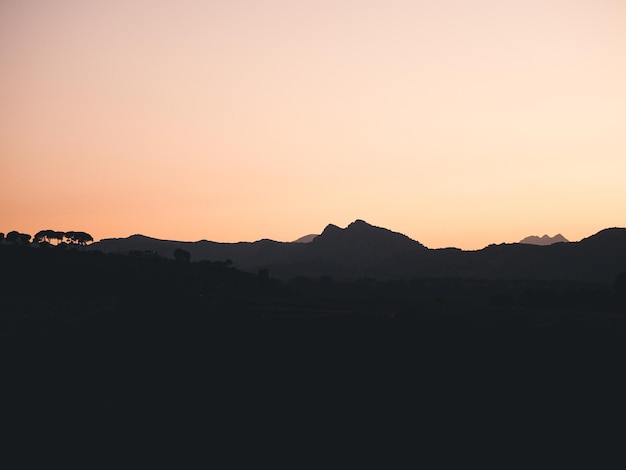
458 123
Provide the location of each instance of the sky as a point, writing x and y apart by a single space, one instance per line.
458 123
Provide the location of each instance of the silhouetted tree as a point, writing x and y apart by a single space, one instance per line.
47 236
1 237
84 238
78 238
41 236
182 255
13 236
58 236
24 238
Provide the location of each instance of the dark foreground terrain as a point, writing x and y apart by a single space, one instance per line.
114 338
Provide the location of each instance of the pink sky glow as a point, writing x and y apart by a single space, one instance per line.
458 123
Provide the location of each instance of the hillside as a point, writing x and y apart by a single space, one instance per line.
108 332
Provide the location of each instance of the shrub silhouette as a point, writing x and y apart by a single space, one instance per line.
182 255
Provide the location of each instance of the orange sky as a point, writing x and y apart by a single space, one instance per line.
458 123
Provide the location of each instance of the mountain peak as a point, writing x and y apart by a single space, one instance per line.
360 241
359 222
360 225
331 228
543 240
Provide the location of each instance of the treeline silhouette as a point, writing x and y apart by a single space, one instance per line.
45 237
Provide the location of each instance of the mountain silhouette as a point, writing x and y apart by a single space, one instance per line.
362 250
360 243
544 240
306 239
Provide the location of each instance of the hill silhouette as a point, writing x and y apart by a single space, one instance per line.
246 255
306 239
544 240
362 250
360 243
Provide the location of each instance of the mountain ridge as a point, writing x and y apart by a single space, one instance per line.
363 250
306 238
544 240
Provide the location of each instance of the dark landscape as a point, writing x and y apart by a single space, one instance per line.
282 230
360 326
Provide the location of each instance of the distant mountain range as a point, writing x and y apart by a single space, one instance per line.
361 250
306 238
545 240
